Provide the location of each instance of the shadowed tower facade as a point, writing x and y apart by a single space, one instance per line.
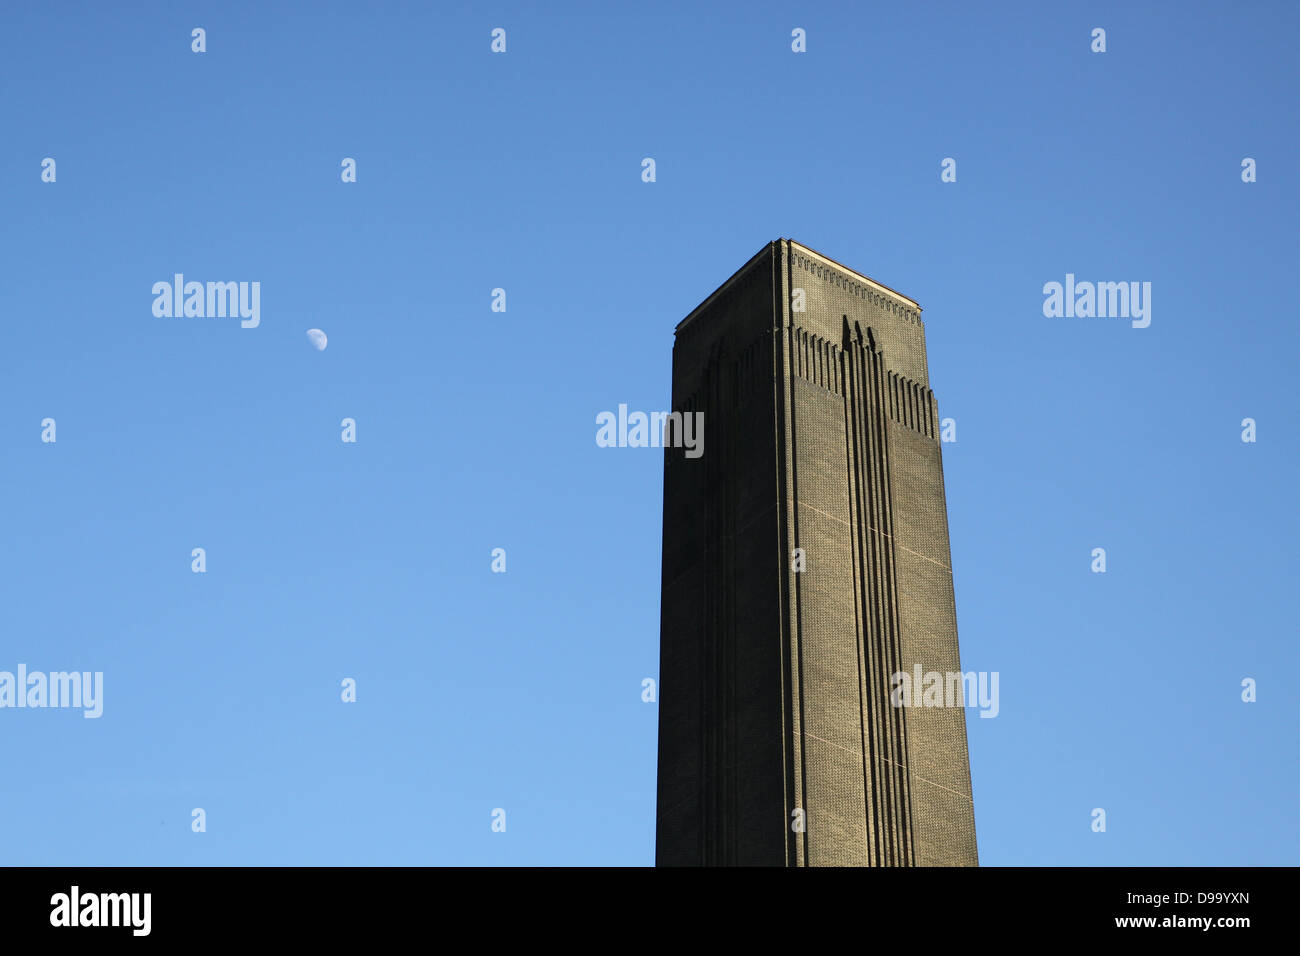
805 562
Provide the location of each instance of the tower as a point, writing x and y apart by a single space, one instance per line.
805 563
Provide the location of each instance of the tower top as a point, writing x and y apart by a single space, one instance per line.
800 248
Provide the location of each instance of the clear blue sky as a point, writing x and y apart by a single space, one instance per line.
476 429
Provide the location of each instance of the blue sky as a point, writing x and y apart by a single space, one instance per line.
475 429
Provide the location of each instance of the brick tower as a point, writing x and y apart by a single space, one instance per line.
778 744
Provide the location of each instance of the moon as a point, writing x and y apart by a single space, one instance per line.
317 339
